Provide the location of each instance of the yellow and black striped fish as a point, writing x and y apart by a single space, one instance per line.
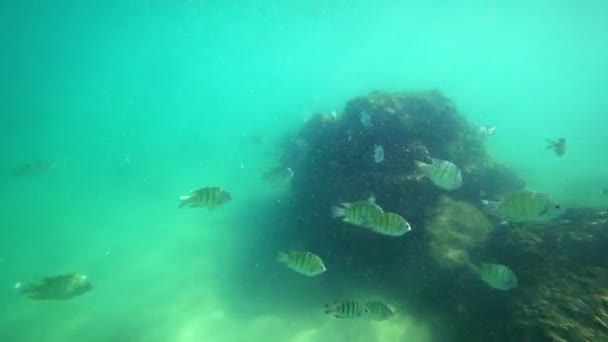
390 224
306 263
442 173
526 206
360 213
209 197
347 309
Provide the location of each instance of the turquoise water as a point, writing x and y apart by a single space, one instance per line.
139 102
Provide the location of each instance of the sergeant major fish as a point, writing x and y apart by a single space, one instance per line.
525 206
347 309
442 173
390 224
305 263
209 197
360 213
57 287
498 276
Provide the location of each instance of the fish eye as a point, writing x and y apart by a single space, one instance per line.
557 206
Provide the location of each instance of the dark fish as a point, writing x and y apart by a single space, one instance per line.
57 287
347 309
209 197
33 168
558 146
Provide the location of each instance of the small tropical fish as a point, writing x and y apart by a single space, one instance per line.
378 153
209 197
525 206
379 310
279 174
442 173
360 213
33 168
558 146
498 276
390 224
487 131
366 119
347 309
58 287
305 263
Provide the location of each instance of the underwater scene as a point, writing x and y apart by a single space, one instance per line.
303 171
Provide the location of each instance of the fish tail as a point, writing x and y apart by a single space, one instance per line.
23 288
474 268
282 257
371 198
337 211
329 309
421 165
491 207
183 200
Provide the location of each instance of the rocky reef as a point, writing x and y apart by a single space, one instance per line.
559 264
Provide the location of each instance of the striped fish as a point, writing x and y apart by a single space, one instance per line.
58 287
379 310
526 206
347 309
209 197
361 213
305 263
442 173
390 224
498 276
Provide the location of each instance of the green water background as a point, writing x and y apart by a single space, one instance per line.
140 101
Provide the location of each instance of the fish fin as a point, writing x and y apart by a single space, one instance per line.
474 268
282 257
183 200
337 211
491 207
421 165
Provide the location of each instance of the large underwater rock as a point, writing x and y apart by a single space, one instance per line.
560 265
333 155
